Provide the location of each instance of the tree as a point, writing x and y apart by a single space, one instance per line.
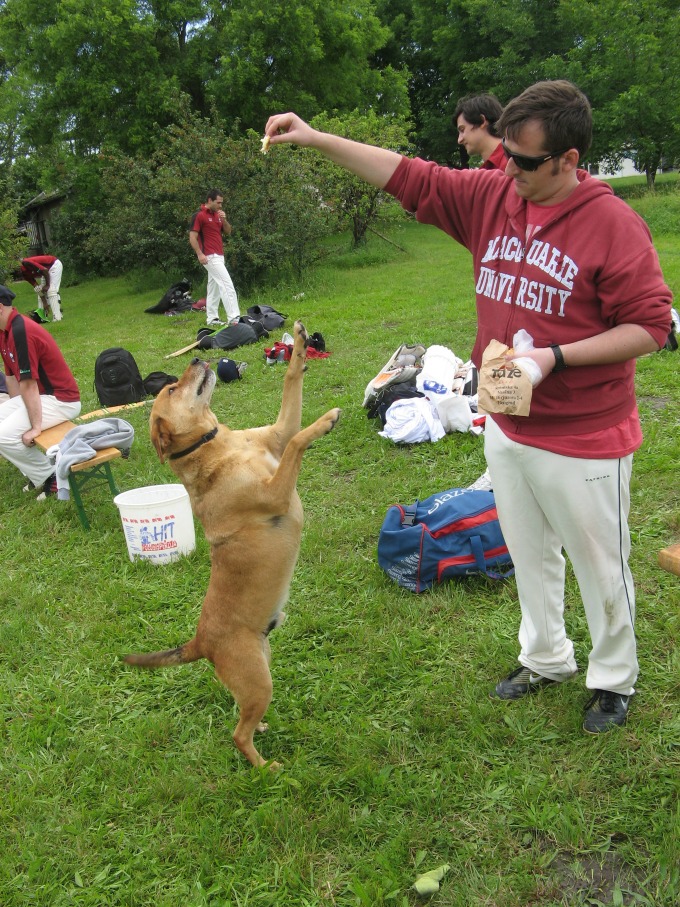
626 57
350 197
13 246
307 56
89 72
77 76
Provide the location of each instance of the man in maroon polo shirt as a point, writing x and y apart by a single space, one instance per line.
208 225
42 392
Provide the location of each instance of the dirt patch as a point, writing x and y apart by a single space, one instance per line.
589 879
580 879
655 402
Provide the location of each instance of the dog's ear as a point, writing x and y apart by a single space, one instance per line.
160 436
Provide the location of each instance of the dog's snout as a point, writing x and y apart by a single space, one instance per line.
195 360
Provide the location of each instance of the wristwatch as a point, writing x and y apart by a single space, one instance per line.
560 364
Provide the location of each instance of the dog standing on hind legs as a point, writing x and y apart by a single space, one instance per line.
242 487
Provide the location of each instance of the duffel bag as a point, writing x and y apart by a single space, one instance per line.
451 534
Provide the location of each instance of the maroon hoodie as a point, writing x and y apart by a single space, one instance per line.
591 267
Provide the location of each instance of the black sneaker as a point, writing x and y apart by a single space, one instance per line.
519 683
604 711
49 488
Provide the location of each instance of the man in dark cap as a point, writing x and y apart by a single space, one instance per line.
42 392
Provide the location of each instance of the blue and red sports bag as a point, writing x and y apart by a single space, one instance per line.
453 533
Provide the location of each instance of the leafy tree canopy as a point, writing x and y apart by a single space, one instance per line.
349 197
626 57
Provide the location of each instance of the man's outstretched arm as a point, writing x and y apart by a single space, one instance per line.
375 165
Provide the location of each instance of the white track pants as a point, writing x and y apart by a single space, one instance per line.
220 287
14 422
53 290
546 502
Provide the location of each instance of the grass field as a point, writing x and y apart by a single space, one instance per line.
123 788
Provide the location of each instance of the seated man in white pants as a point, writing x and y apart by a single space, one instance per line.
44 272
42 392
208 225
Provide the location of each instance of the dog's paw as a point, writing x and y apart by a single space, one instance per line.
300 331
329 421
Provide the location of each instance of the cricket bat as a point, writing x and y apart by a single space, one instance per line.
185 349
204 332
97 413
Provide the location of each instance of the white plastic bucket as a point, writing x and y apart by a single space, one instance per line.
157 522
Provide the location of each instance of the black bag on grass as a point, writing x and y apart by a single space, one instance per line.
229 338
156 381
117 378
177 298
256 325
269 317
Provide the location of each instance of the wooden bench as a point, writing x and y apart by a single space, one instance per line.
96 469
669 559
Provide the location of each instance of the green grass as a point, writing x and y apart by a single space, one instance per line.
636 186
123 788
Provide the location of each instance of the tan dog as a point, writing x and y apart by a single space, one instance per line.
242 486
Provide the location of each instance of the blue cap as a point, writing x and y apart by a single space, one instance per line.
227 370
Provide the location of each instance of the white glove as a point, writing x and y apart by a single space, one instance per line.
523 342
37 289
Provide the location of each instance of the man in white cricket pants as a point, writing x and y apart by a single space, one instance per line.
208 225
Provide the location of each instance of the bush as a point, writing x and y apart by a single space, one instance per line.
144 207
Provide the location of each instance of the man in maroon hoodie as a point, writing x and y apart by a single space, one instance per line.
555 253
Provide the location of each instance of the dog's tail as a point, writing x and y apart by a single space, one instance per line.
179 656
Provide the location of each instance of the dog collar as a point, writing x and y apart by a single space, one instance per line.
208 436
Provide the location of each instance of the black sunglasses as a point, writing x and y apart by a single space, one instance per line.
528 163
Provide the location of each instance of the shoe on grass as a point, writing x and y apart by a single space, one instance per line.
604 711
519 683
49 488
216 323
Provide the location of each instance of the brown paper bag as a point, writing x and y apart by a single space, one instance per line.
503 386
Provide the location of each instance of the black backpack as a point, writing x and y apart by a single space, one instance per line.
256 325
117 378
